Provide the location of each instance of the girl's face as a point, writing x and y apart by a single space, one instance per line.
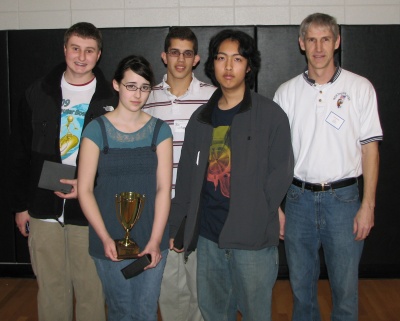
133 91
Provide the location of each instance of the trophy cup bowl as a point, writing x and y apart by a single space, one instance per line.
129 207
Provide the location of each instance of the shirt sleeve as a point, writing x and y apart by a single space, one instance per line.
93 132
164 133
369 121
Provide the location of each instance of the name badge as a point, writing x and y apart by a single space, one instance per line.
334 120
180 125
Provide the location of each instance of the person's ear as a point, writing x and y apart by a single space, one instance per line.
164 57
196 60
301 43
337 42
115 85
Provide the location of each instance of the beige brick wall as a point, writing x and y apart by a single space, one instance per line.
50 14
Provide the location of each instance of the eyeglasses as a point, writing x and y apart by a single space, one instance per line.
132 87
177 53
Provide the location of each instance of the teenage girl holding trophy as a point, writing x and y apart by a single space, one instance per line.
127 150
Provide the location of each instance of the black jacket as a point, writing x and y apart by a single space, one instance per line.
35 137
262 170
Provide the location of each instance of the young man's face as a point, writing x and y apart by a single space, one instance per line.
230 67
319 45
81 56
180 67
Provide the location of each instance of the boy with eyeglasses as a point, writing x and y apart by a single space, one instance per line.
174 100
51 116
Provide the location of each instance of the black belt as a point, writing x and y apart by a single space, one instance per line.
324 187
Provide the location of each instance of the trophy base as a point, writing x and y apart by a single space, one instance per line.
129 251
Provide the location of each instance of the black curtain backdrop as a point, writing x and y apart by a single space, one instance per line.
371 51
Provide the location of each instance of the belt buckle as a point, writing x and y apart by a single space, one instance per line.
323 186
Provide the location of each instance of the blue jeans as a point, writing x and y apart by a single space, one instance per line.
229 280
134 299
323 218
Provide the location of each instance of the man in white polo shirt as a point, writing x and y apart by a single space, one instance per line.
174 100
335 130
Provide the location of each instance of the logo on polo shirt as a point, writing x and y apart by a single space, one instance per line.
341 99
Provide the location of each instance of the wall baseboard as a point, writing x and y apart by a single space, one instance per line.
367 271
16 270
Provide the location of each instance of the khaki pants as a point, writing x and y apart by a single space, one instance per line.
178 297
64 268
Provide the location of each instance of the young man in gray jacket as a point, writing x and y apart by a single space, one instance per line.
235 168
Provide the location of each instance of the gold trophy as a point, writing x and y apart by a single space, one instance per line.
129 207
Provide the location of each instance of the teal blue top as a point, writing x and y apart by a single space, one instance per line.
118 139
127 163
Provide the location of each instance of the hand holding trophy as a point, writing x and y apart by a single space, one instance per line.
129 207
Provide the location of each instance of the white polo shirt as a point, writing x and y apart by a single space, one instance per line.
329 123
176 111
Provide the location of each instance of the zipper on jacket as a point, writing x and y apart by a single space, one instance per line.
197 210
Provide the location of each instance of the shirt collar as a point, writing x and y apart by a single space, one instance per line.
166 87
311 82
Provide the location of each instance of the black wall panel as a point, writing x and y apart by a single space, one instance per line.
7 240
32 54
281 57
373 52
121 42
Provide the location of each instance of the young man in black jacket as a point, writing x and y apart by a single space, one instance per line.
50 120
235 168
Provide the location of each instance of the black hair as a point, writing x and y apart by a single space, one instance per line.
139 65
182 33
247 49
84 30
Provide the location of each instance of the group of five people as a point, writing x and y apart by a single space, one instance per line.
245 170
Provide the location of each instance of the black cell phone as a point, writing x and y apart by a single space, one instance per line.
136 267
27 228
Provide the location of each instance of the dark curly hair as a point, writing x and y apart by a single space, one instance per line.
247 49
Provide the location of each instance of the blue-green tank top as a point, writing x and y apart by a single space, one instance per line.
126 170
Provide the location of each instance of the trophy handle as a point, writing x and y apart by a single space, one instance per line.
118 206
142 201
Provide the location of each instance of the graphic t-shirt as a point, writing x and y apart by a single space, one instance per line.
214 205
75 104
